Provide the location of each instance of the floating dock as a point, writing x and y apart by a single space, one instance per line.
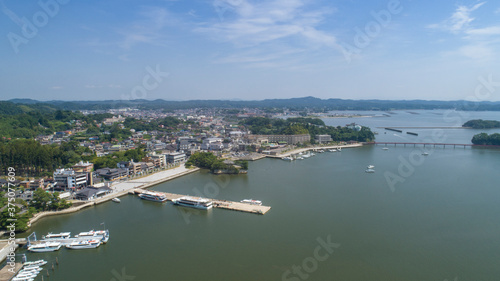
394 130
412 133
223 204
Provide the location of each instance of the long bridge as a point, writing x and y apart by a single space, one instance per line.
432 144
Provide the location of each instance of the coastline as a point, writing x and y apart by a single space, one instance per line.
299 150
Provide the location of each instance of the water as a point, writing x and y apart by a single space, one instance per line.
439 221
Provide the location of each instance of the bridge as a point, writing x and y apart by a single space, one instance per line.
424 144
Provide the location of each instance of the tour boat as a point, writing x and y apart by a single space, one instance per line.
45 247
192 202
251 201
153 196
86 244
62 235
117 200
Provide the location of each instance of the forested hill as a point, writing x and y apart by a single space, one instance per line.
292 103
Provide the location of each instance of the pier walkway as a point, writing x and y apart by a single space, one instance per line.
424 144
223 204
7 272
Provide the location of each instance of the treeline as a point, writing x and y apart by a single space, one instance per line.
312 126
481 124
207 160
485 139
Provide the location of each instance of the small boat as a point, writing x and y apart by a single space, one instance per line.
102 235
339 149
425 153
369 171
62 235
370 167
299 158
252 202
35 263
198 203
85 244
23 278
117 200
332 150
287 158
385 148
45 247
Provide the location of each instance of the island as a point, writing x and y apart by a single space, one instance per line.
481 124
485 139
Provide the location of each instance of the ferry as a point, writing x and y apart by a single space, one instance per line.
45 247
86 244
252 201
62 235
153 196
102 235
192 202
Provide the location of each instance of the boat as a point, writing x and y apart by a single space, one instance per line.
35 263
425 153
85 244
45 247
299 158
199 203
385 148
23 279
321 151
369 171
306 156
332 150
252 202
31 269
370 167
339 149
102 235
117 200
62 235
287 158
153 196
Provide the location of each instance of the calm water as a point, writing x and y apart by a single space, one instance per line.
438 221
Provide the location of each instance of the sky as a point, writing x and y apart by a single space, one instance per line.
249 50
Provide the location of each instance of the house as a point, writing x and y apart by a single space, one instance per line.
91 192
175 158
112 174
82 167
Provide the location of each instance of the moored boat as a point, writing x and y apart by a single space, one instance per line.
116 200
62 235
153 196
85 244
252 201
370 167
102 235
35 263
369 171
198 203
45 247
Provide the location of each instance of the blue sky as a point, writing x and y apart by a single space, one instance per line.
242 49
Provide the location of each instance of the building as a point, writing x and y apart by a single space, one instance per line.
135 167
175 158
158 160
186 143
289 139
68 178
91 192
207 144
323 138
354 126
112 174
81 167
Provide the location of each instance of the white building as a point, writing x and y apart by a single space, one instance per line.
207 144
67 178
175 158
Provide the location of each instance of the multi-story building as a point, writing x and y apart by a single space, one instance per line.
69 179
323 138
82 167
175 158
289 139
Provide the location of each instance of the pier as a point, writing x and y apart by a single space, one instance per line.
6 273
222 204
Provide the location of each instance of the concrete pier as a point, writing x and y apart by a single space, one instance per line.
223 204
7 272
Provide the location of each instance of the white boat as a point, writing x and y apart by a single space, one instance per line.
369 171
306 156
102 235
85 244
385 148
252 202
321 151
31 269
35 263
425 153
198 203
339 148
117 200
22 279
287 158
332 150
370 167
45 247
299 158
153 196
62 235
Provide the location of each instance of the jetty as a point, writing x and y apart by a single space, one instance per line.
222 204
315 148
424 144
8 272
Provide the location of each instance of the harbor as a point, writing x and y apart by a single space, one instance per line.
222 204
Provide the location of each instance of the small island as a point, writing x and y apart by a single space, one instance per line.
485 139
481 124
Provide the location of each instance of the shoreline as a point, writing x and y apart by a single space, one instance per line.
299 150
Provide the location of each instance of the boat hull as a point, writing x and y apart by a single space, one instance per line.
201 207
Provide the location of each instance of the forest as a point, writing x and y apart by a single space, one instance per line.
485 139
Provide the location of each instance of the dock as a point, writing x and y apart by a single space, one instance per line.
7 272
222 204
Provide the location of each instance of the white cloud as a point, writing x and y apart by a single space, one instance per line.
459 20
285 25
487 31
